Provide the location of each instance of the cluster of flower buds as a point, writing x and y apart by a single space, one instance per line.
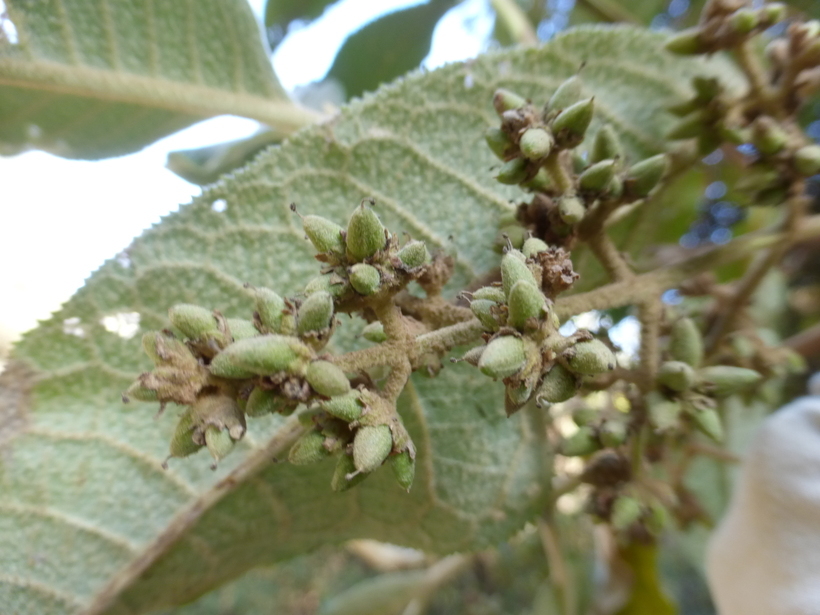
524 347
539 150
725 24
224 370
688 392
798 54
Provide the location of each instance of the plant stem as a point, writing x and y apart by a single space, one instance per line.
760 91
557 173
612 260
607 10
559 572
650 316
515 22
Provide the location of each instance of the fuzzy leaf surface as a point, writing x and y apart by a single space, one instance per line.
84 496
91 79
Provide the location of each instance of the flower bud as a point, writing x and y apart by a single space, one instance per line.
345 468
590 358
612 433
707 420
139 392
374 332
664 413
559 384
269 307
498 142
541 182
626 511
597 177
326 236
686 342
308 449
182 442
487 313
504 100
571 209
473 356
262 355
676 375
315 313
365 279
767 136
414 254
686 43
533 246
773 12
571 125
606 145
526 302
725 380
404 468
347 407
535 143
193 321
514 269
262 401
568 93
518 395
503 357
371 446
582 442
327 379
807 160
490 293
218 441
512 172
512 235
331 283
365 233
241 329
744 21
643 176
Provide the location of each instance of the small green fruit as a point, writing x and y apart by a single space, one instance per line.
503 357
498 142
535 143
347 407
365 233
533 246
139 392
514 269
473 356
182 442
687 43
327 379
676 375
504 100
526 302
262 355
773 12
326 236
308 449
767 136
487 313
344 468
512 235
725 380
590 358
269 307
262 401
686 342
597 177
807 160
241 329
744 21
512 172
606 145
571 124
559 384
365 279
571 209
331 283
643 176
414 254
585 415
371 446
707 420
315 313
404 467
374 332
194 321
218 441
626 511
568 93
582 442
519 395
541 182
490 293
664 413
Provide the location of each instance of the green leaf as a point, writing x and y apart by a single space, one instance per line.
89 518
386 48
87 79
279 14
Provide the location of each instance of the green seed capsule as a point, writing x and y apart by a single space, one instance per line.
490 293
707 420
269 307
503 357
498 142
262 402
664 413
626 511
606 145
347 407
331 283
473 356
404 468
724 380
526 302
559 384
582 442
218 441
512 172
643 176
344 468
487 313
612 433
327 379
590 358
241 329
520 394
540 183
414 254
262 355
767 136
365 279
371 446
585 415
308 449
571 125
807 160
676 375
374 332
365 234
193 321
571 209
686 43
504 100
535 143
140 393
533 246
514 269
512 235
182 443
315 313
326 236
568 93
686 342
744 21
597 177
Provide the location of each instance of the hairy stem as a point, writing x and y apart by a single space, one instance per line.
515 22
761 93
557 173
610 257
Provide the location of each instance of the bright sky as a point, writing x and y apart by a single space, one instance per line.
62 218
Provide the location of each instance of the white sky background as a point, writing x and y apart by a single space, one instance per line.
62 218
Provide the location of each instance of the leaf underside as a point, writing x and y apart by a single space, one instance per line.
83 492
